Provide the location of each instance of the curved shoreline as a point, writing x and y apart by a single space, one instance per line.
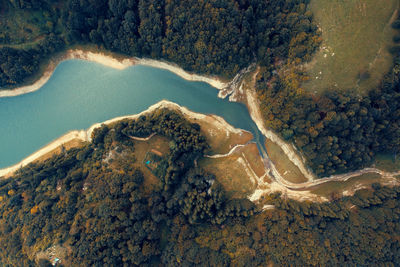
86 135
111 62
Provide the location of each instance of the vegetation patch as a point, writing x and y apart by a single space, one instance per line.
387 162
253 157
143 153
21 28
232 173
332 190
356 35
237 173
220 139
283 164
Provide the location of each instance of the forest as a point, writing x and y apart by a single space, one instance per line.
212 37
98 211
18 64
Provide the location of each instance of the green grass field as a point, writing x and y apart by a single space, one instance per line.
356 35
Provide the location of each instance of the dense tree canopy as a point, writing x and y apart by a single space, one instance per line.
18 64
212 37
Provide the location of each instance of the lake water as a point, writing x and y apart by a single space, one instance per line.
81 93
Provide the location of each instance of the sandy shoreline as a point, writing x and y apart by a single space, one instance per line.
81 135
112 62
85 135
213 81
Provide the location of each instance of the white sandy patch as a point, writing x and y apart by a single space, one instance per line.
100 58
142 138
268 207
257 194
347 176
221 124
213 81
287 193
217 156
212 132
29 88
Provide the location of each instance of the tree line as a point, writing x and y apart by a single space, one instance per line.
19 64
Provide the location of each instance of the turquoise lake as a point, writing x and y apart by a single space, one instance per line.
81 93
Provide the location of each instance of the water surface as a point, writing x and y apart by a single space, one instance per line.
81 93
